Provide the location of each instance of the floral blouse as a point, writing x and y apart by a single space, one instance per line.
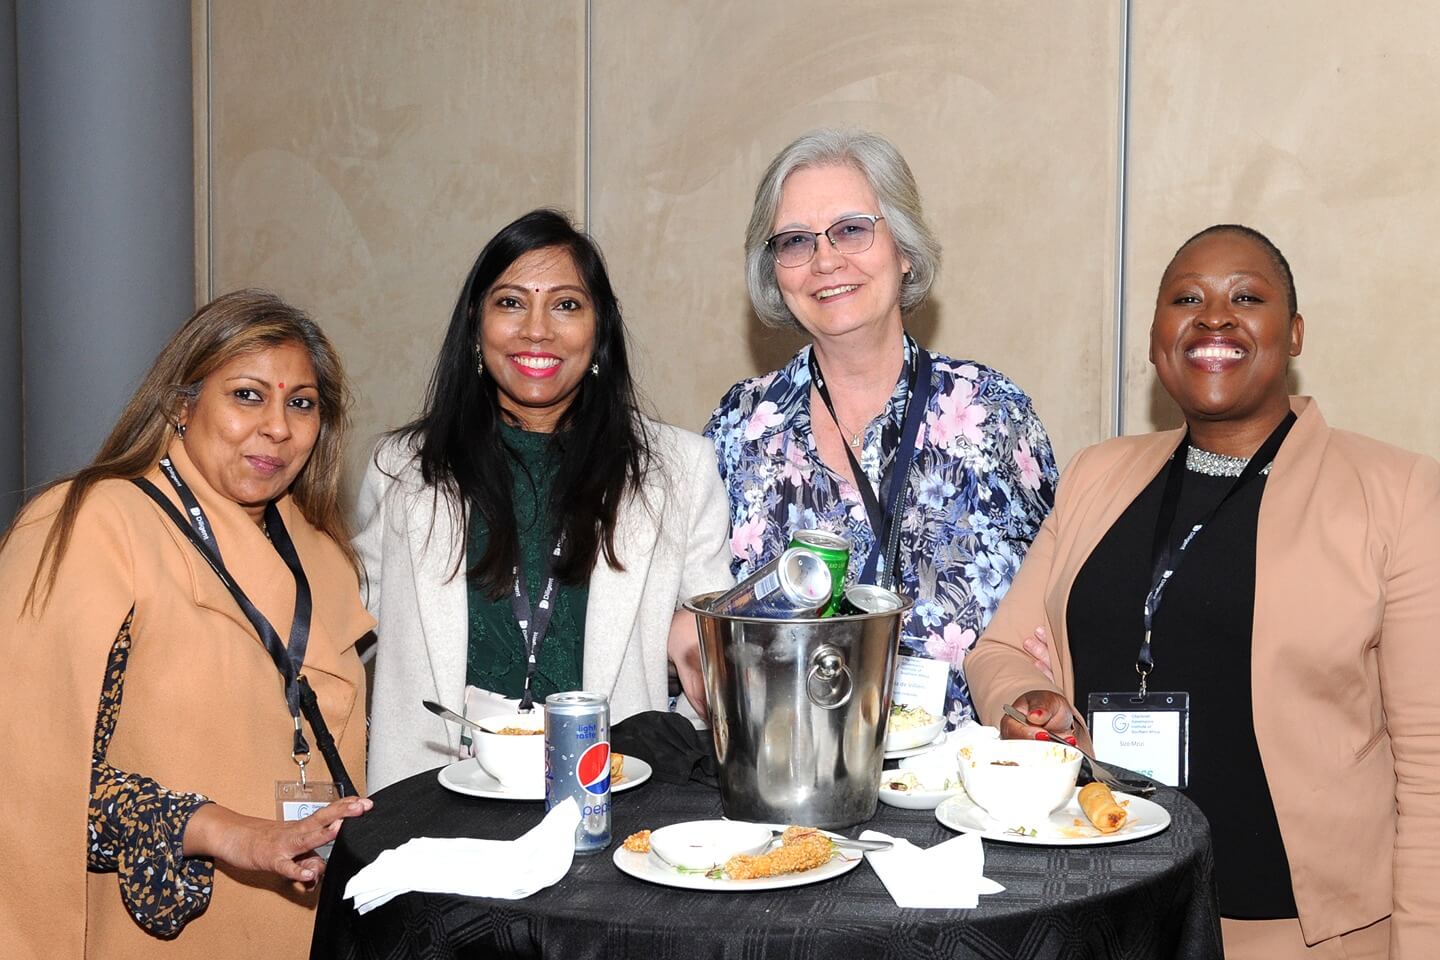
982 480
137 827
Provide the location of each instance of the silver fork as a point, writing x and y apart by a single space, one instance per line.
1097 770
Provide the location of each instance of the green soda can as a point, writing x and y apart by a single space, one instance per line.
835 551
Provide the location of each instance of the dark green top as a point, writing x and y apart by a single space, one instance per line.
496 652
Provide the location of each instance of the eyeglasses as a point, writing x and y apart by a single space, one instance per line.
795 248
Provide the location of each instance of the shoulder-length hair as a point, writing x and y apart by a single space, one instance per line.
600 444
889 176
230 326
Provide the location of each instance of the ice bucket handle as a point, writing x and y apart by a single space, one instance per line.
829 683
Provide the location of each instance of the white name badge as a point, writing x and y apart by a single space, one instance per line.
1149 734
921 682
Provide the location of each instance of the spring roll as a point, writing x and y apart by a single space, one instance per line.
1101 809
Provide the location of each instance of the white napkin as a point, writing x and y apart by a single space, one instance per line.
968 732
947 876
505 869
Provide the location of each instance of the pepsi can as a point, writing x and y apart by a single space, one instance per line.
577 763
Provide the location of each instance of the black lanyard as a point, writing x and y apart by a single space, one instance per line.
1165 556
288 659
534 621
197 519
885 524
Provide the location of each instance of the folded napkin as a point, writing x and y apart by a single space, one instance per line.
504 869
947 876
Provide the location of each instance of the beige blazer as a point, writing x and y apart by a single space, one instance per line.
673 541
203 711
1345 658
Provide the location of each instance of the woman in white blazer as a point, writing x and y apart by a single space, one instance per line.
531 532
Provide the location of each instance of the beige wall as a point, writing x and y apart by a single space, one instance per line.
361 153
1319 124
355 156
1008 122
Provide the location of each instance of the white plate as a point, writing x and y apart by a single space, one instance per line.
648 867
913 736
1059 829
915 799
469 778
919 748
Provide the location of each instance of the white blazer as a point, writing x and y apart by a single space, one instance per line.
672 539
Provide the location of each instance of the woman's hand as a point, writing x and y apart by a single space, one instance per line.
1051 718
1039 649
682 646
283 847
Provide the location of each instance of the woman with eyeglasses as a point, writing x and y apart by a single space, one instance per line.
937 470
532 532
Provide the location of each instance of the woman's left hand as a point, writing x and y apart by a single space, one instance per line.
284 847
683 648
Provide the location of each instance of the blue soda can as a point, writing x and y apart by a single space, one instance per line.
577 762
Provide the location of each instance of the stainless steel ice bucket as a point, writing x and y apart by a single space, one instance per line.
798 711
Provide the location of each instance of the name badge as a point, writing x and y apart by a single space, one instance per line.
921 682
296 801
1149 734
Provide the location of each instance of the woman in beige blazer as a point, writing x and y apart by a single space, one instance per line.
1321 693
530 475
169 798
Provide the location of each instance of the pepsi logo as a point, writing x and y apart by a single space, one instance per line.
593 769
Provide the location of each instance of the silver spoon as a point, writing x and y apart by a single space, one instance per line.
445 713
1101 773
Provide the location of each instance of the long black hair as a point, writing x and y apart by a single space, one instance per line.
600 442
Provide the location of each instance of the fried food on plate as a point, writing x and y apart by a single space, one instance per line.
1100 808
638 842
617 767
801 848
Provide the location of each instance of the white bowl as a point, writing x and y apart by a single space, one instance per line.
516 760
912 736
702 844
1019 778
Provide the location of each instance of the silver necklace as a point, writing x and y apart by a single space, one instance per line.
1214 464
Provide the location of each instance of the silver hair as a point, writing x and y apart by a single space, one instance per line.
889 176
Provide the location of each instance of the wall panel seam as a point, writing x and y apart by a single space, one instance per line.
1117 400
589 112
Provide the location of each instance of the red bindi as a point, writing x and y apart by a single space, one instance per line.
282 384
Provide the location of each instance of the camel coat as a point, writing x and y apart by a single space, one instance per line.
1345 658
203 710
673 540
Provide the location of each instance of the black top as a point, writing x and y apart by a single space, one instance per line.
1201 639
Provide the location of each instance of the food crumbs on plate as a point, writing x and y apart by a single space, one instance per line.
801 849
638 842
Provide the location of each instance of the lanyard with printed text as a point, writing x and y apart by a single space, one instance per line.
289 658
885 524
534 621
1165 555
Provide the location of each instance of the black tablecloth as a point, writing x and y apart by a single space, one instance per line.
1146 898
